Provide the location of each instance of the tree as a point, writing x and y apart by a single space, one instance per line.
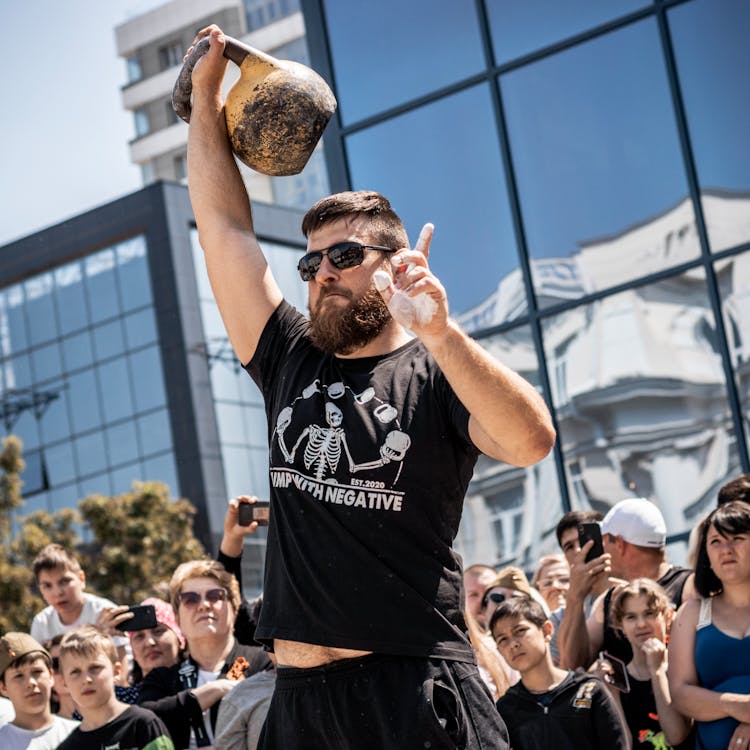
140 537
19 602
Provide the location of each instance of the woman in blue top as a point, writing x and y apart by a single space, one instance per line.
709 650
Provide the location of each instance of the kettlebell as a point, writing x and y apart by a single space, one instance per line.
275 112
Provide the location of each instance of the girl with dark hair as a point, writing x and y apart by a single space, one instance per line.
709 650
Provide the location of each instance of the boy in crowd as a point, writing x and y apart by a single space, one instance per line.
550 707
26 679
89 665
61 581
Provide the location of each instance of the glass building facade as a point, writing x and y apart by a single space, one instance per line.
587 168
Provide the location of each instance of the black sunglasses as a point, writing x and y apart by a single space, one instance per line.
193 598
342 255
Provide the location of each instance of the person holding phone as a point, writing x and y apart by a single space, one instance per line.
634 536
642 612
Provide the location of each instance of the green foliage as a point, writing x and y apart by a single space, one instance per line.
139 538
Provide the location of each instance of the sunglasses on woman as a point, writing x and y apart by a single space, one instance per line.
193 599
342 255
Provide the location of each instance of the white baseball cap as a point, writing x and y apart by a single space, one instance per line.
638 521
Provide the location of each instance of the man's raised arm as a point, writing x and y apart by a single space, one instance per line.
242 283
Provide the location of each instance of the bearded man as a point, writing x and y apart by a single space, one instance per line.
374 433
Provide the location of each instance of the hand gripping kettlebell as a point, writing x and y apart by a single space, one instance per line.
275 112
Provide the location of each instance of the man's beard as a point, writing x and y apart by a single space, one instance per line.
345 331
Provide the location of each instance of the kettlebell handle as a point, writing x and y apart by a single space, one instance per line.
234 50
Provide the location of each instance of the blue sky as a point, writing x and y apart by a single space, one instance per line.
63 131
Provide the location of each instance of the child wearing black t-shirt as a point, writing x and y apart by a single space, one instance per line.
89 665
550 707
642 612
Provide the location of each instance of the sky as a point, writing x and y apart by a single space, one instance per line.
63 131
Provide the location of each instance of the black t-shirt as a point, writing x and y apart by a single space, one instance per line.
369 462
134 729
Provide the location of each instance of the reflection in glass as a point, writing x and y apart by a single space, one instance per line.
84 401
154 432
101 285
109 340
40 309
733 276
444 166
91 453
640 396
162 469
78 351
60 464
379 56
713 60
71 299
140 328
133 274
14 336
115 384
509 512
47 362
54 421
123 477
147 378
122 443
600 174
525 26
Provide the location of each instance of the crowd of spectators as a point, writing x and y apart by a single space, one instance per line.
611 650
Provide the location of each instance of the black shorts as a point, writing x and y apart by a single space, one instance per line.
380 702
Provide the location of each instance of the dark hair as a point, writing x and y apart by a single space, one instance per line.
386 227
728 519
737 489
55 557
572 518
21 661
522 607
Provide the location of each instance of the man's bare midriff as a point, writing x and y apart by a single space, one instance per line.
304 655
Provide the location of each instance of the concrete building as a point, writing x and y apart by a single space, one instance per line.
153 45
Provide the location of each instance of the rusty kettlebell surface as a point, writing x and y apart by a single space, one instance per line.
275 112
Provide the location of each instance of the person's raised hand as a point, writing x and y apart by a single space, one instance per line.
584 575
234 533
656 654
415 297
110 617
209 70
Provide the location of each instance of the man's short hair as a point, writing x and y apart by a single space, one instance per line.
737 489
728 519
386 228
572 518
204 569
88 640
521 607
55 557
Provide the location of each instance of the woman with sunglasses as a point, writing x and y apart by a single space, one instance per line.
186 696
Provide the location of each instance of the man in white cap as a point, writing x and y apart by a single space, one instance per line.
634 536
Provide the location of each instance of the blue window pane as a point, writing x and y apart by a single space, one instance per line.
114 382
109 340
154 432
230 422
225 381
91 453
47 362
17 373
430 153
26 427
101 285
133 274
140 328
256 425
122 479
237 472
78 351
64 497
35 501
40 309
84 401
713 60
71 298
522 26
162 469
122 443
148 381
601 179
379 58
98 485
60 463
12 310
54 421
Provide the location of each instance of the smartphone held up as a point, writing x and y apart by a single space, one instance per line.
587 531
259 511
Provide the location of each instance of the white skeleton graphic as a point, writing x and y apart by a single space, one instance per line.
325 444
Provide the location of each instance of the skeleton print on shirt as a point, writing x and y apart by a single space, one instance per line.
326 452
